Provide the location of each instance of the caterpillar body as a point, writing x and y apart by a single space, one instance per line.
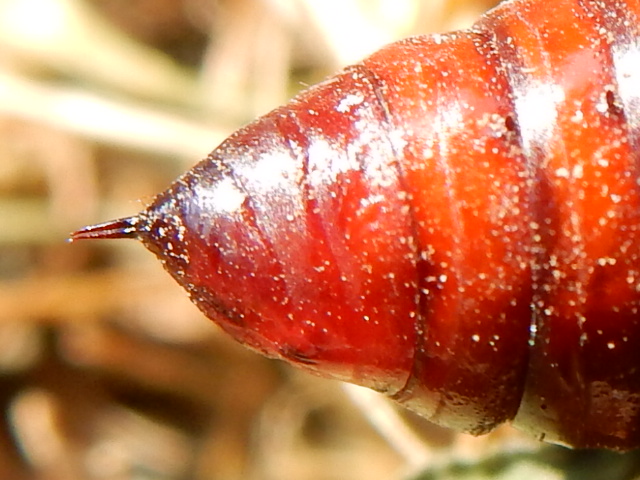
455 222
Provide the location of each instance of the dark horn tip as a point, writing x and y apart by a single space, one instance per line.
120 228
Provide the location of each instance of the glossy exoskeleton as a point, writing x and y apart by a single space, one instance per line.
454 222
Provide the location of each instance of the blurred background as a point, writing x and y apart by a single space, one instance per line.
106 369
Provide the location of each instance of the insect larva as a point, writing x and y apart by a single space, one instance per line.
454 222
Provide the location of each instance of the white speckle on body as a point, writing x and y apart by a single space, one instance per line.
349 101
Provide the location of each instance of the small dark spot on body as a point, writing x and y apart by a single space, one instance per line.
289 352
510 123
612 103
